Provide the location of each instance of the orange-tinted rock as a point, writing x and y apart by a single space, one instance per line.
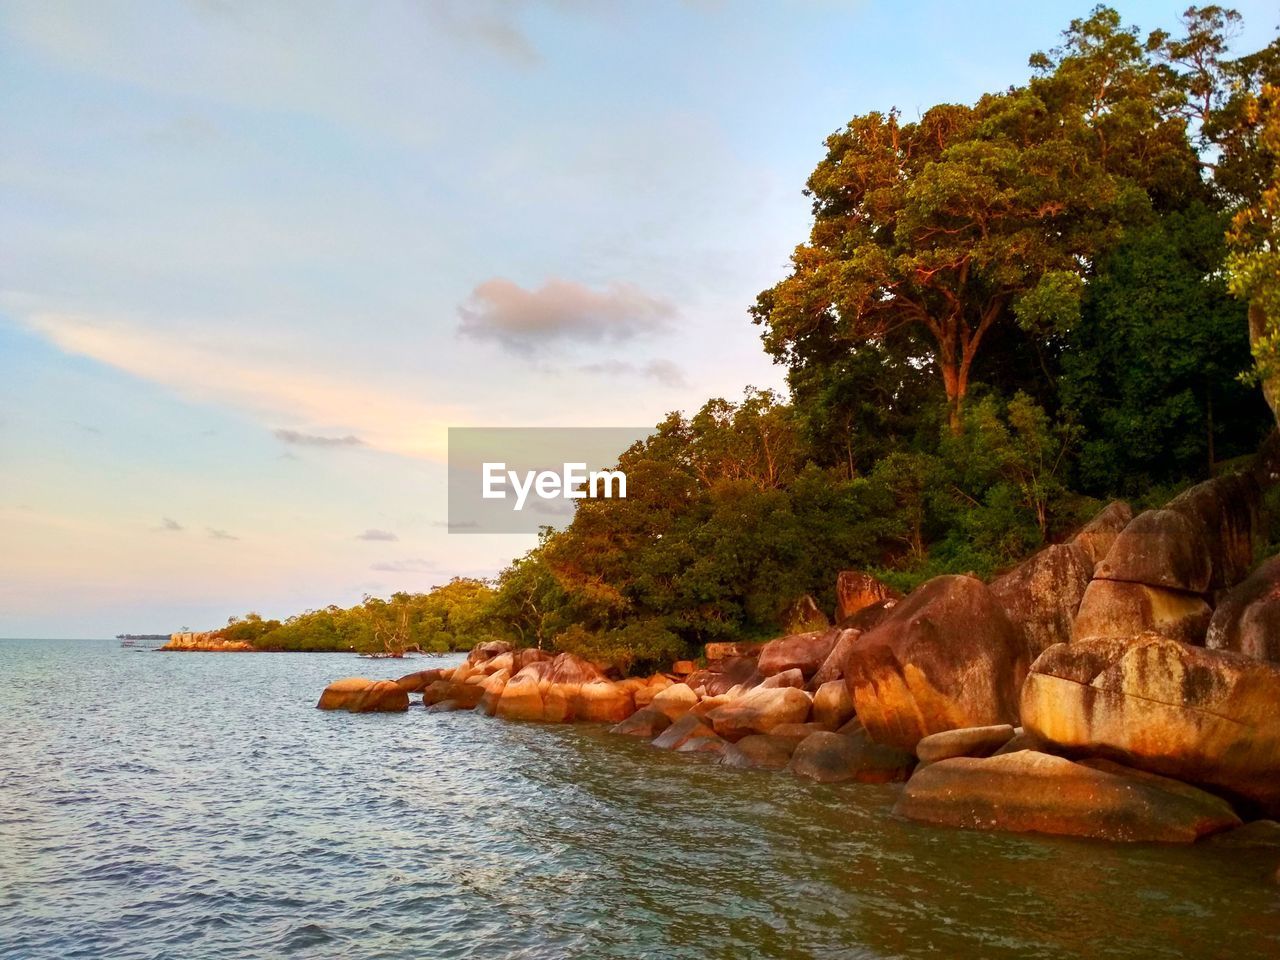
833 667
682 668
724 675
728 651
1122 610
966 742
1097 536
503 661
675 701
832 705
521 698
759 711
361 695
835 757
417 682
761 751
787 678
647 723
1042 595
945 657
1207 717
800 651
492 687
487 651
602 701
680 731
466 695
1161 548
1226 512
855 591
571 668
795 732
700 742
529 655
446 706
1247 619
1036 792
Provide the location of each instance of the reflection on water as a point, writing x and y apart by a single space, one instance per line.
197 805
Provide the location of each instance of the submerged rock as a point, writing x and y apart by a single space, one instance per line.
647 723
1203 716
1035 792
680 731
945 657
836 757
759 751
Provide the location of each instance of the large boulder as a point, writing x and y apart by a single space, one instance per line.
1097 536
761 751
832 705
759 711
465 695
945 657
492 687
602 701
787 678
729 650
675 701
1203 716
521 697
799 651
647 723
1226 512
1247 619
361 695
1042 595
1121 610
680 731
836 757
569 668
968 742
487 651
1036 792
856 591
723 675
833 667
1161 548
417 682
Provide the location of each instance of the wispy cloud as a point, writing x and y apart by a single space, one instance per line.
373 534
663 371
412 565
169 525
525 321
215 534
317 440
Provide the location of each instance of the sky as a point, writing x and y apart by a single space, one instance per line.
257 257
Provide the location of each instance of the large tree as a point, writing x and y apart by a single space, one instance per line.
984 215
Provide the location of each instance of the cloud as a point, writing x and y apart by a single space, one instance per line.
215 534
372 534
169 525
316 440
458 525
524 321
413 565
664 371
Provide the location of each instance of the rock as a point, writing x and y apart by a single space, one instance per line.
361 695
1036 792
503 661
967 742
787 678
1247 618
1255 835
855 591
804 615
761 751
832 705
682 668
1042 595
644 695
521 698
727 651
467 695
1123 610
529 655
210 642
675 701
1226 512
570 668
800 651
1097 536
869 617
795 732
487 651
726 674
1207 717
700 742
680 731
945 657
1161 548
647 723
834 757
417 682
759 711
446 706
602 701
833 667
1022 740
492 687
